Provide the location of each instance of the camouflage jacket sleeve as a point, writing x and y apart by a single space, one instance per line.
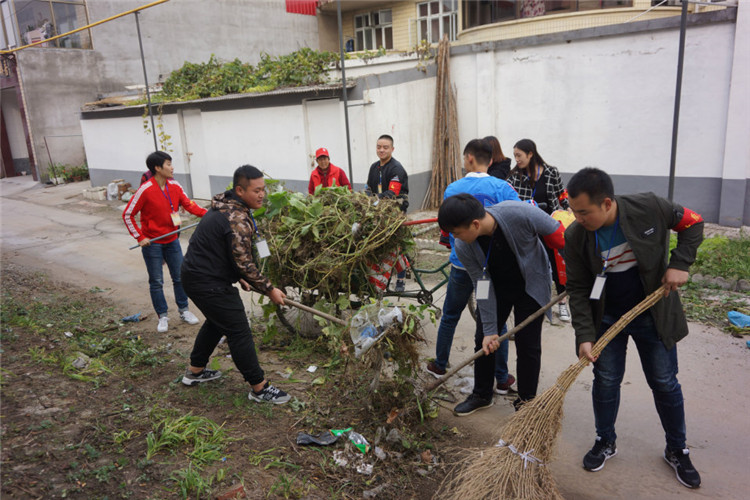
242 251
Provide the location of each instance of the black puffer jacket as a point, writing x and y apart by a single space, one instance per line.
500 169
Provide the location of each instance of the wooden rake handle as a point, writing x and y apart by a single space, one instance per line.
332 319
437 383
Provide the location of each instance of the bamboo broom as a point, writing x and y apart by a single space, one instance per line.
517 466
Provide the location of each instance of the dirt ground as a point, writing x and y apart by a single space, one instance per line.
80 246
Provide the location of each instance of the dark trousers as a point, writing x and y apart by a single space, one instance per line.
528 348
225 315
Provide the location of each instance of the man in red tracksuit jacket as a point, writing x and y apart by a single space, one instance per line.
158 200
326 174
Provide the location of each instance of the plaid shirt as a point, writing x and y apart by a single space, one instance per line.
557 195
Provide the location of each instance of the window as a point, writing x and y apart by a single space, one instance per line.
477 13
373 30
37 20
437 18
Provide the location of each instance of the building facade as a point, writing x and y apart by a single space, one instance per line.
48 84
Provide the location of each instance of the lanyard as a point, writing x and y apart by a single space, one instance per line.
255 226
487 258
167 196
611 240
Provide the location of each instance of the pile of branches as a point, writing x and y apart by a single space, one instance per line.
327 242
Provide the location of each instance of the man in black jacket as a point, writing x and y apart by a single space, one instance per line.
388 179
220 254
615 254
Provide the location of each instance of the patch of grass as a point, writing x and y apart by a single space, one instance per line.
76 328
192 484
721 256
710 306
289 486
207 438
102 473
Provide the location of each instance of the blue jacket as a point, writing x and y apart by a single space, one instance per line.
484 187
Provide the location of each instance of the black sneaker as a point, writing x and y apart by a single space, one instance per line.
269 394
472 404
435 370
400 286
206 375
600 453
679 460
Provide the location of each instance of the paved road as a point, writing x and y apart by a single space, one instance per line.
85 243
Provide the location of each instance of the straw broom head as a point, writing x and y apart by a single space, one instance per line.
516 467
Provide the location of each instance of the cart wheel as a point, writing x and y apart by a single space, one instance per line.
424 297
298 322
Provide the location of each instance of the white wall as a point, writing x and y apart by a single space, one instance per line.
604 102
14 124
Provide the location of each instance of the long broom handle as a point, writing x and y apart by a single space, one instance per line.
437 383
168 234
323 315
626 318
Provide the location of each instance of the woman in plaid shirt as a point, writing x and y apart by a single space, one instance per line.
540 184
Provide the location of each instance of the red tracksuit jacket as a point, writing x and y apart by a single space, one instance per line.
155 207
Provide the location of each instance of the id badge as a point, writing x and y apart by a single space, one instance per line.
596 290
262 246
483 289
176 218
380 189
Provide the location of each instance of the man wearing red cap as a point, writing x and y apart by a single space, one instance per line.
326 174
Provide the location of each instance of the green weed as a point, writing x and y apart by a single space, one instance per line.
190 482
721 256
289 487
102 473
207 438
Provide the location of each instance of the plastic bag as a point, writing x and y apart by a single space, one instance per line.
739 319
358 440
363 332
386 317
325 438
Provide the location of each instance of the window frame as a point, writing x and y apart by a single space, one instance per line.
468 22
56 44
370 29
439 16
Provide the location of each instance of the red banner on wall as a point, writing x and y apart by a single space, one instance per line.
307 7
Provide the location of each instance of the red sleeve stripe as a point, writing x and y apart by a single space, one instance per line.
688 219
395 187
556 239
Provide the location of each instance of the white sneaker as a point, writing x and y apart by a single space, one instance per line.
189 318
163 324
564 313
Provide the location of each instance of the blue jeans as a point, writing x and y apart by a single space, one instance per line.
457 296
154 255
659 366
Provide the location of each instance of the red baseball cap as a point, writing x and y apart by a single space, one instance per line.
321 152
